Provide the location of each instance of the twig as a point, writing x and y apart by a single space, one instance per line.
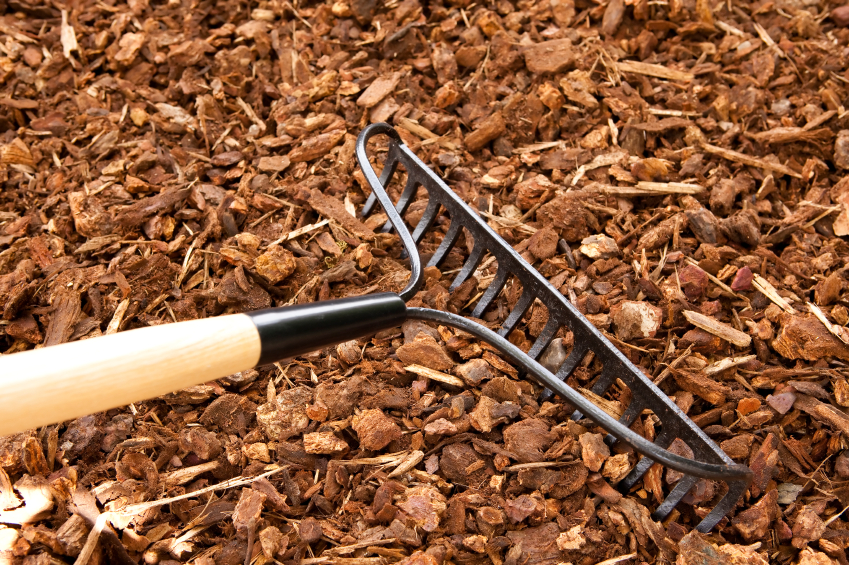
751 161
677 361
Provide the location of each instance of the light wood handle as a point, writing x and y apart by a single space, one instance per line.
63 382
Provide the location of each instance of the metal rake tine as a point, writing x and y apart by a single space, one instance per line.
635 408
644 464
427 219
579 351
448 242
404 200
491 292
516 314
370 202
724 506
468 267
679 491
602 383
604 380
545 337
389 167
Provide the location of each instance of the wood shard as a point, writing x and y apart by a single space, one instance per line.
378 90
335 210
701 386
670 187
718 329
492 127
434 375
727 363
766 288
738 157
652 70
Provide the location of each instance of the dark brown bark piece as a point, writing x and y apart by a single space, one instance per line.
66 311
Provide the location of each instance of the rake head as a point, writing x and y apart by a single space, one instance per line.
708 460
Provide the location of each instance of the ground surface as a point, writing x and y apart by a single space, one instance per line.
170 161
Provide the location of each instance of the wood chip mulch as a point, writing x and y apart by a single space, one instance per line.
167 161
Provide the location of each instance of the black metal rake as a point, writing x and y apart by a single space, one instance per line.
709 461
62 382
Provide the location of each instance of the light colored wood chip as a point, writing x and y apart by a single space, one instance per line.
343 560
839 332
187 474
819 120
299 232
379 460
659 188
670 187
416 129
718 329
727 363
738 157
118 317
728 28
409 462
612 407
343 549
791 134
677 361
652 70
542 146
378 90
434 375
419 130
538 465
674 113
769 291
620 559
768 40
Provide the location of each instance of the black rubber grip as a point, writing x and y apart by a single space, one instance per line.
294 330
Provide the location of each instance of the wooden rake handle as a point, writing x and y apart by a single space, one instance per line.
59 383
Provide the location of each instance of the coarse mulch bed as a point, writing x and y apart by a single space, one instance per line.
168 161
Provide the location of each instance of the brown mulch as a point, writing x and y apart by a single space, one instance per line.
177 160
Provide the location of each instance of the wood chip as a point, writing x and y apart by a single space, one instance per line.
652 70
769 291
424 133
839 332
435 375
727 363
738 157
612 407
335 210
409 462
644 188
718 329
378 90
